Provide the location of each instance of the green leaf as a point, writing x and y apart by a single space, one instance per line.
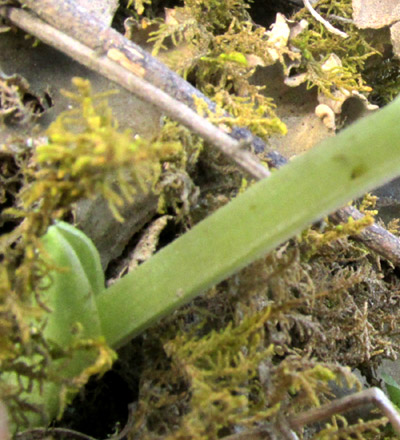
236 57
73 287
393 389
84 250
343 167
78 277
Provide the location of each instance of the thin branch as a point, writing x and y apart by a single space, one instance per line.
72 19
342 19
136 69
141 88
128 426
338 406
374 237
348 403
328 26
58 433
263 434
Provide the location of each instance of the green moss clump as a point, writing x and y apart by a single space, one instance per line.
217 46
87 156
221 369
317 44
139 5
198 21
243 112
340 429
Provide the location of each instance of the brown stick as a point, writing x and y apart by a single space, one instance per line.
175 109
374 237
338 406
69 17
136 68
348 403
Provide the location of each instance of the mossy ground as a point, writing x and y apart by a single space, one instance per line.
266 343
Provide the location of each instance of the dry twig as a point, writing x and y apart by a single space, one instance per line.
338 406
56 433
141 88
348 403
374 237
322 20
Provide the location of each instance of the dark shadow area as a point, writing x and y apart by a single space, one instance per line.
101 409
264 12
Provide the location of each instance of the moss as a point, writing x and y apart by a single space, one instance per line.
200 20
267 343
139 5
215 45
243 112
87 156
317 44
84 155
340 429
177 190
14 107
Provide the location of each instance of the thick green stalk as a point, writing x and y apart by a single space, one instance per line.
360 158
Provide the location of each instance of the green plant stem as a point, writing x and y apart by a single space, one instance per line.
273 210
